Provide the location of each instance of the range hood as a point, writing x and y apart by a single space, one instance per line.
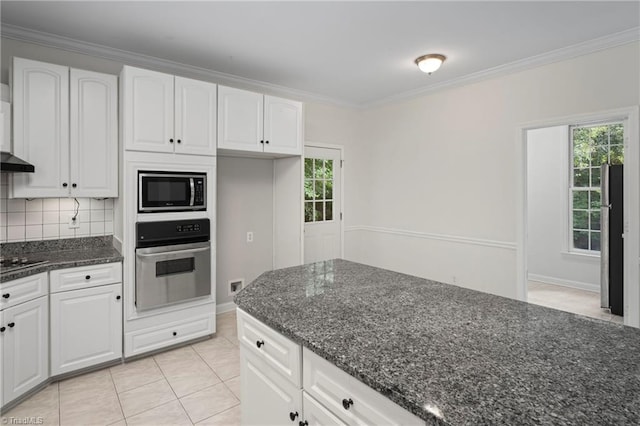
11 164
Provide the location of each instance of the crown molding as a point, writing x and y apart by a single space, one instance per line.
130 58
584 48
135 59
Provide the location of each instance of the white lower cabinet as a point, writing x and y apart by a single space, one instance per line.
273 395
267 397
86 327
24 335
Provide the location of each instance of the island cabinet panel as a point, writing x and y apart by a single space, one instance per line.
351 400
316 414
268 398
281 353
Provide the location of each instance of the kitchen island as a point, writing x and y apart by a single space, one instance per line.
450 355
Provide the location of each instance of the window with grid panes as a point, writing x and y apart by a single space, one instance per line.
318 190
591 147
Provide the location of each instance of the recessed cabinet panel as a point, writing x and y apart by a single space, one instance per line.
267 398
5 126
41 128
86 327
195 117
25 347
240 119
21 290
94 134
282 125
148 102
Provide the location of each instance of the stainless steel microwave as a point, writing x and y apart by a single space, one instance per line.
171 191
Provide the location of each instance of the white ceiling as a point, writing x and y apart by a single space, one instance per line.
354 52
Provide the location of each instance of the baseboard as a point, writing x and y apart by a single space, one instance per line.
225 307
565 283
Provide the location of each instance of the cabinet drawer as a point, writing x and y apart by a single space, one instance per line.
23 289
280 353
315 414
331 386
85 276
154 338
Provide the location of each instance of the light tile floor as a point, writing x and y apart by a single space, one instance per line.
567 299
195 384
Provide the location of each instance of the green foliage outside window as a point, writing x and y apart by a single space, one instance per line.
592 146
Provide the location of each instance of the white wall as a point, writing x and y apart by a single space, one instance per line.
443 167
548 218
245 203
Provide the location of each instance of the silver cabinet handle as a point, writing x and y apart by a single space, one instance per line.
166 253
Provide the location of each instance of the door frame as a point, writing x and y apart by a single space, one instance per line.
631 197
340 148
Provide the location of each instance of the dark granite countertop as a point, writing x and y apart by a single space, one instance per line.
452 355
65 253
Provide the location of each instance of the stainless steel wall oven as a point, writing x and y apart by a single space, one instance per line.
173 262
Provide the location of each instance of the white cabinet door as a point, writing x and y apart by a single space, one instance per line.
240 119
282 126
93 134
147 102
25 347
86 327
195 117
5 126
41 128
267 398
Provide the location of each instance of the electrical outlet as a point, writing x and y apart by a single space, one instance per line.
74 223
235 286
249 237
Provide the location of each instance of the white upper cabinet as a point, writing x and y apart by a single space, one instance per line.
147 104
41 128
163 113
240 119
5 126
94 134
282 126
65 124
195 117
249 121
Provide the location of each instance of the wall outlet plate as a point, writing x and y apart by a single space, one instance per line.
74 223
249 237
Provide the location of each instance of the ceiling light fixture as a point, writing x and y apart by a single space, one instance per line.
430 63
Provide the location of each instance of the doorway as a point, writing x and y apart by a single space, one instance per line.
323 231
572 208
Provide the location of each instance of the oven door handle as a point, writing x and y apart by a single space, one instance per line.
167 253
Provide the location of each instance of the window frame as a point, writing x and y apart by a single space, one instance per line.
589 189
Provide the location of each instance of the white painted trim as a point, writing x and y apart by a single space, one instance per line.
631 115
225 307
584 48
564 283
65 43
430 236
14 32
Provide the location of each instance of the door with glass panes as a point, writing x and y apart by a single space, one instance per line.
322 204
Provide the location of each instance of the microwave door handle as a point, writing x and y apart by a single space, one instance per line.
193 191
167 253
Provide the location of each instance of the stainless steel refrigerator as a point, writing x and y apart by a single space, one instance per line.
611 240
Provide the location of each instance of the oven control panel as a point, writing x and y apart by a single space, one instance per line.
168 232
188 227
